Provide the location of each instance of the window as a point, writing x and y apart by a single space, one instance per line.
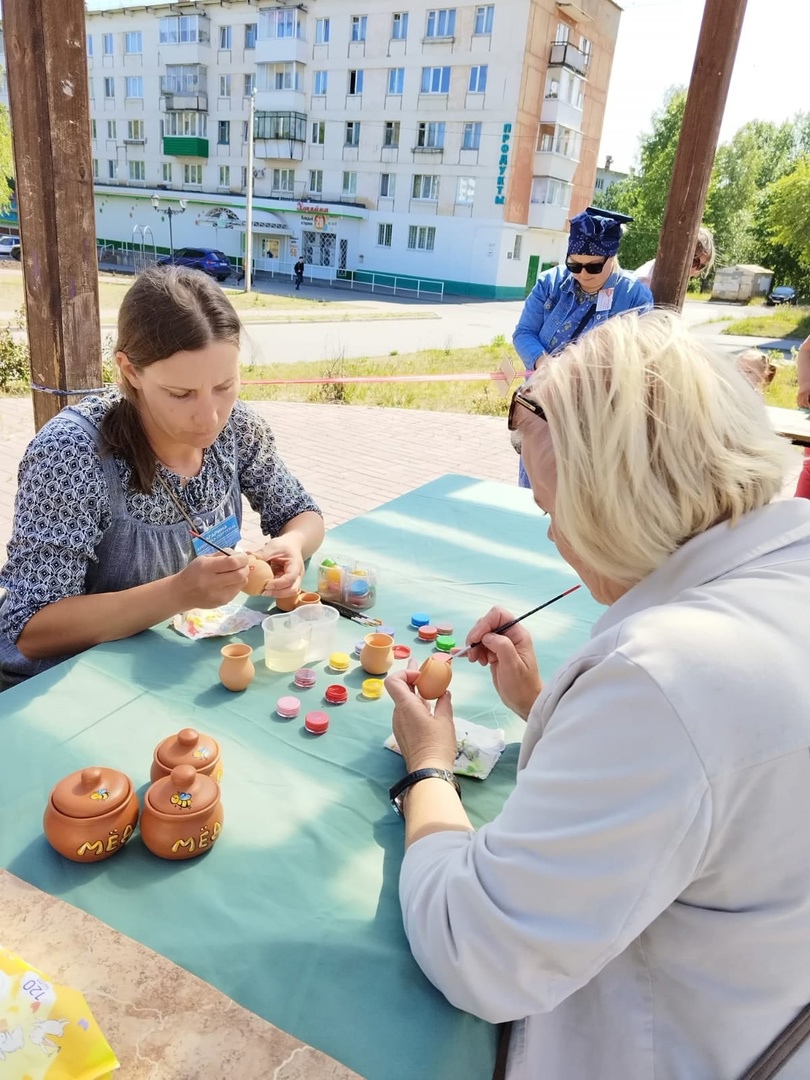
471 138
554 139
387 185
225 176
89 44
350 183
391 133
585 47
109 88
483 19
563 33
430 135
281 125
111 132
133 42
224 86
281 76
385 233
244 176
321 31
92 89
421 237
250 84
396 80
465 190
355 82
358 27
441 23
95 168
224 133
137 170
435 80
186 123
352 133
545 189
245 126
518 245
399 25
319 82
284 180
566 86
107 41
166 172
183 79
425 187
135 86
179 29
250 35
135 130
192 174
282 23
315 184
318 132
93 129
112 169
225 37
478 79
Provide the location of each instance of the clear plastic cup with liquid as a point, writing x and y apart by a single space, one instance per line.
322 622
286 642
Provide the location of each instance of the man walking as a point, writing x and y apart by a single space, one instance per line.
298 271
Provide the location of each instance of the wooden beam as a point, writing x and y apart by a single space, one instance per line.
46 57
705 104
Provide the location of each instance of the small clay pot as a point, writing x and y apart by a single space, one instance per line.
287 603
187 747
260 574
91 814
182 814
434 677
308 598
236 672
377 654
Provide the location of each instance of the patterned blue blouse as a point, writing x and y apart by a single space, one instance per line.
556 305
62 506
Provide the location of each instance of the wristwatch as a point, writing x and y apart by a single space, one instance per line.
397 792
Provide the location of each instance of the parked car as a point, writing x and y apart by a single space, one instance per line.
16 251
782 294
7 244
209 260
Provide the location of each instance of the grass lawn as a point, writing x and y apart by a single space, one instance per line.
782 391
785 322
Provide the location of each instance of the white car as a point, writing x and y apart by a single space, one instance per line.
7 243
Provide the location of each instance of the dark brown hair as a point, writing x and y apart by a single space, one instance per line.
169 309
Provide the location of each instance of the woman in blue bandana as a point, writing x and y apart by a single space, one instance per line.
590 288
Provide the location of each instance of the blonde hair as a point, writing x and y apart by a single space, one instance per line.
656 439
705 246
755 366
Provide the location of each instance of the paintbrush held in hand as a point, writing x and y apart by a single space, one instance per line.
512 622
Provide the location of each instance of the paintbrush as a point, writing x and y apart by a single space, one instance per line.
216 547
352 613
513 622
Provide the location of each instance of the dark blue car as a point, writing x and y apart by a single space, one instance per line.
209 260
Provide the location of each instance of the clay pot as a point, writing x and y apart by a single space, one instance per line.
236 671
308 598
377 654
187 747
182 814
91 814
287 603
434 677
260 574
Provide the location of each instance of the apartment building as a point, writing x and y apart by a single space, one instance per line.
439 144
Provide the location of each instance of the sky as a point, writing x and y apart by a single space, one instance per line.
656 50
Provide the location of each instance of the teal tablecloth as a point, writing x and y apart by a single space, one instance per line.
295 912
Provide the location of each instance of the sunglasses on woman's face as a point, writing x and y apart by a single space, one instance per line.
588 268
519 399
698 263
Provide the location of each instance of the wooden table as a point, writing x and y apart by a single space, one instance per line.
793 424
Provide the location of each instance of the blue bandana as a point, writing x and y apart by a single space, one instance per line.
596 232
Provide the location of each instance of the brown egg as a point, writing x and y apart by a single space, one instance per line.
434 677
260 574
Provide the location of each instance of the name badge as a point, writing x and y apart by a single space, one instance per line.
224 534
604 301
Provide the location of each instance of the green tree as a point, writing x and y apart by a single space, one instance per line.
788 219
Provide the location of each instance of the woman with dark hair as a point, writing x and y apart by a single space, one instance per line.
111 490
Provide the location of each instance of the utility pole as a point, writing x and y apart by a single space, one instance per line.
46 58
705 103
249 198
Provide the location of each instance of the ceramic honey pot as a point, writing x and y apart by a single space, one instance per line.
236 672
377 654
187 747
182 814
434 677
260 573
91 814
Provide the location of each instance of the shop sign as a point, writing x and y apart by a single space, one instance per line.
503 161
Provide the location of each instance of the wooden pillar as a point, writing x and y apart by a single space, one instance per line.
705 104
46 58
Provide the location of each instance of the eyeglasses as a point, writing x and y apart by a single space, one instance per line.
588 268
518 398
698 263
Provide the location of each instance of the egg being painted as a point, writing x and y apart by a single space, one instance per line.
434 677
260 574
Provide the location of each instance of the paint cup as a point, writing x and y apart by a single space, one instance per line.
286 642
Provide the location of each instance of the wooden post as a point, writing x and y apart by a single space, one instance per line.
705 104
46 57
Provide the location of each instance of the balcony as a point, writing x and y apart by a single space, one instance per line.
277 50
547 216
564 54
187 101
548 163
557 111
185 146
280 135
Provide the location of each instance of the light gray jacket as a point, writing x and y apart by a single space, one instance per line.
644 896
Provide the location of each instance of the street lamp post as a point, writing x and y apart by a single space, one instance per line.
171 212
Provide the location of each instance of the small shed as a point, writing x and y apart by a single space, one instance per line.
742 282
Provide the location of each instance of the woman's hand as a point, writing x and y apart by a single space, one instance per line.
212 580
287 563
427 740
510 658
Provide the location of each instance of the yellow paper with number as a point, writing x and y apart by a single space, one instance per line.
47 1032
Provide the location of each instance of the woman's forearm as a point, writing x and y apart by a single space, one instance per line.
308 527
76 623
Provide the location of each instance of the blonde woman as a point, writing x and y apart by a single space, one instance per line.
641 905
702 262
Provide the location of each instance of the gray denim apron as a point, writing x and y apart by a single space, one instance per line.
130 552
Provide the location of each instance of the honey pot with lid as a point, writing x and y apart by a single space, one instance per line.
91 814
187 747
182 814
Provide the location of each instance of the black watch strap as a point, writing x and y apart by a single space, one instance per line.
397 792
